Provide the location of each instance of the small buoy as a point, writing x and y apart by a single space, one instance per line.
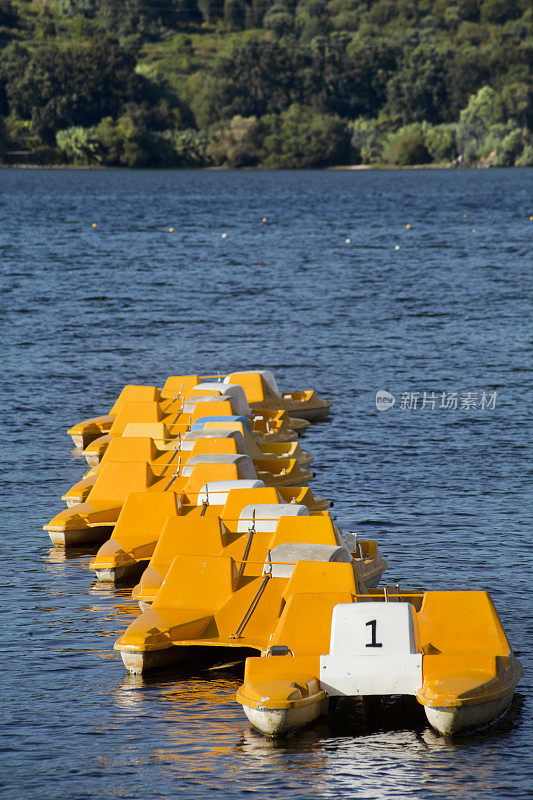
473 230
260 263
531 219
224 235
396 246
465 216
264 219
347 241
171 230
95 224
408 225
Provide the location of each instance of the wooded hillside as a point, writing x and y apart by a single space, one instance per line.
290 83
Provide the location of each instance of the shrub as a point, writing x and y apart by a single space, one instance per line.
526 158
441 143
300 138
407 146
235 143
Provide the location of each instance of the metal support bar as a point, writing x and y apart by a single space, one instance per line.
174 475
251 532
253 604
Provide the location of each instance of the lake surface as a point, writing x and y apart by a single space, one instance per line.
441 306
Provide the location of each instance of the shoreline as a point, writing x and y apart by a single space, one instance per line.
337 168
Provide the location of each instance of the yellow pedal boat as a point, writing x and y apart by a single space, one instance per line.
144 516
177 424
262 392
447 649
277 471
95 519
260 522
213 600
218 426
170 398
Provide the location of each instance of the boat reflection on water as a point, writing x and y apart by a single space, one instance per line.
199 722
61 555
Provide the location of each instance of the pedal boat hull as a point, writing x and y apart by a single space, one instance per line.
278 722
450 721
458 700
281 694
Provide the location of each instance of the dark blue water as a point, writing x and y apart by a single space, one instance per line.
445 491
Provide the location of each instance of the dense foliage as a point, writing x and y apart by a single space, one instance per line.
270 83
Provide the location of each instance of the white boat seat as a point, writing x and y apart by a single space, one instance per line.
267 516
243 463
216 492
229 391
188 439
291 552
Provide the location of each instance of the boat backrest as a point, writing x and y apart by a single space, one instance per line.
305 623
116 480
260 386
243 463
315 576
227 446
232 494
197 582
179 385
240 497
311 529
131 393
255 387
264 517
135 411
461 622
239 428
140 448
228 390
207 408
155 430
194 439
188 536
144 514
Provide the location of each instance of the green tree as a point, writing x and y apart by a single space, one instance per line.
300 138
76 86
367 140
418 90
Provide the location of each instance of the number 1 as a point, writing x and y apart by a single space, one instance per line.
373 643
